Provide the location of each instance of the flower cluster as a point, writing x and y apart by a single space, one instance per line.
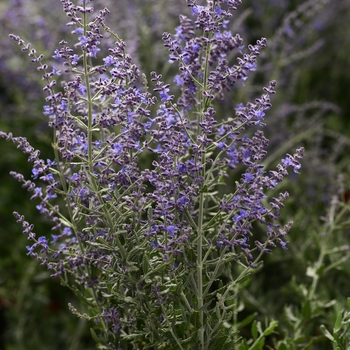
135 193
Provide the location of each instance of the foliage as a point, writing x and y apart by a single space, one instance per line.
238 300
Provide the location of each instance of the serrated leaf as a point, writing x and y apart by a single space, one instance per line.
338 322
306 310
243 345
65 222
246 321
204 189
145 263
259 328
222 340
270 328
94 335
194 319
311 271
130 267
219 342
129 300
289 314
150 213
326 333
336 339
105 295
80 123
254 330
258 345
282 346
327 305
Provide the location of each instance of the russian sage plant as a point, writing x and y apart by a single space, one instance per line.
157 204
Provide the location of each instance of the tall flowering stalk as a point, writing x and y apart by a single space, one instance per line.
153 228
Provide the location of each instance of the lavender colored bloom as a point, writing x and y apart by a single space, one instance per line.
43 241
57 54
243 214
74 59
93 51
30 250
37 193
259 114
117 148
248 178
293 162
171 229
163 93
56 71
35 173
109 60
136 187
48 178
78 31
48 110
178 80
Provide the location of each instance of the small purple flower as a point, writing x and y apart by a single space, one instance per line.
240 107
287 162
54 238
67 231
51 195
51 162
117 102
48 178
250 66
179 35
83 192
259 114
164 96
30 250
282 243
78 31
221 145
83 40
43 240
290 161
74 177
148 125
37 193
36 173
138 146
178 80
171 229
246 154
243 214
94 50
57 54
181 168
48 110
248 178
55 71
182 203
196 10
154 244
74 59
82 90
117 148
109 60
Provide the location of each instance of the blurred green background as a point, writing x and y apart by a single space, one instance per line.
308 54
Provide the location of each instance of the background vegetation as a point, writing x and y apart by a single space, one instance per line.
303 288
